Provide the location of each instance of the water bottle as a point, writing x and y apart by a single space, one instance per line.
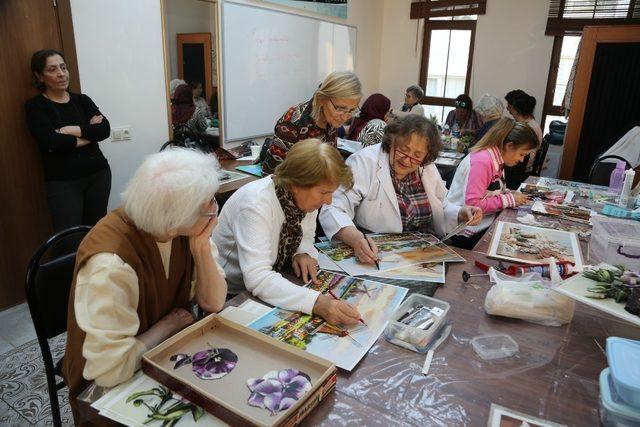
625 193
455 131
446 130
617 177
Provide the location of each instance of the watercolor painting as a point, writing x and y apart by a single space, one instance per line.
227 176
142 401
335 8
423 272
524 243
569 213
546 193
499 416
396 250
375 301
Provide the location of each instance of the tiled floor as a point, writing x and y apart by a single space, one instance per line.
24 399
16 327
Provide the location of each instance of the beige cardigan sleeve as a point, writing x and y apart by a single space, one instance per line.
106 301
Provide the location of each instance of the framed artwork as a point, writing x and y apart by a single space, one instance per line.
531 245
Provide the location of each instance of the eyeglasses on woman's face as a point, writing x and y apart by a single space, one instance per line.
344 110
214 209
400 155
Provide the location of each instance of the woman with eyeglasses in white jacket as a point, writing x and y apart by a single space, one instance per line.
397 188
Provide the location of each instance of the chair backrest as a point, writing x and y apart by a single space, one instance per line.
48 283
600 173
541 154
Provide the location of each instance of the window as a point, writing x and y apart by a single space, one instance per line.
446 63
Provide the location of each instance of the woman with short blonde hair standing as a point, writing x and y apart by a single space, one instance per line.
268 227
334 102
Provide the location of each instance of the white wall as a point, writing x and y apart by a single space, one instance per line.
366 16
188 16
121 63
511 50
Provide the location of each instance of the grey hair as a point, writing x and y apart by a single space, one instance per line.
173 84
169 188
417 91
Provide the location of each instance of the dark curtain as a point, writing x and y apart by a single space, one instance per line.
613 103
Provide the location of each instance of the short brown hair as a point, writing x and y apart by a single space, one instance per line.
398 132
309 163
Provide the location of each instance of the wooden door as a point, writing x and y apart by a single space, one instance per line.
607 111
194 60
25 26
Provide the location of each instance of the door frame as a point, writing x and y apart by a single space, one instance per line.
591 37
197 38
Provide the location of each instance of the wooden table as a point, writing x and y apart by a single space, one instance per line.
554 376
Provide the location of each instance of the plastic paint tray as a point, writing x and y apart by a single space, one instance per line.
494 346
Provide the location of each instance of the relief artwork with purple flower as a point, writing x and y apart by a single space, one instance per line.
278 390
209 364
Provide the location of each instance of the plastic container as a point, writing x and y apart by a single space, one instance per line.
625 193
494 346
615 241
614 412
616 180
413 338
455 130
623 356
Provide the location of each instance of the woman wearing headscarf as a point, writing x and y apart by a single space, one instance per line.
185 113
368 127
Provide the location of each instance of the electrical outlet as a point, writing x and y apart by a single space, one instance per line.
121 134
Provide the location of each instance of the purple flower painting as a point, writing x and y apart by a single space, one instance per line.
209 364
278 390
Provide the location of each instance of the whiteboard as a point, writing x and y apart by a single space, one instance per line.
272 60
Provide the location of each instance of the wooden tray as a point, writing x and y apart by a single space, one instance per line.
226 398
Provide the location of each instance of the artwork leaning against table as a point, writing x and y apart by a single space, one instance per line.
528 244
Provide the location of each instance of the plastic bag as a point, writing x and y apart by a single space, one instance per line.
528 297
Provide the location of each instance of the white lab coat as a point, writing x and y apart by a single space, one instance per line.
372 204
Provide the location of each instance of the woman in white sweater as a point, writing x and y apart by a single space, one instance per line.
397 188
268 227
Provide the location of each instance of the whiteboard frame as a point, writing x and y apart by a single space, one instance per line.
222 59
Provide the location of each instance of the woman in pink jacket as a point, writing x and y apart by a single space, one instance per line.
479 180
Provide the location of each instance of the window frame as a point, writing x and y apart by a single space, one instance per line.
548 109
424 63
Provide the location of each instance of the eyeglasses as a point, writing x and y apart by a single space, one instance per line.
344 110
214 205
402 155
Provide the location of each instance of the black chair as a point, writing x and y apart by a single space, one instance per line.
48 282
541 155
600 172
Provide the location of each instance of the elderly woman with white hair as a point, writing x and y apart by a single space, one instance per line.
334 102
140 266
490 110
267 228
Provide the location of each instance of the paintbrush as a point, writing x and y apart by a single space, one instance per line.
330 292
456 230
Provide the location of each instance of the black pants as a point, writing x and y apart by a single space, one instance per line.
79 202
465 242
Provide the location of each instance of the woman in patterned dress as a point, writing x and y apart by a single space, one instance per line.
368 127
332 104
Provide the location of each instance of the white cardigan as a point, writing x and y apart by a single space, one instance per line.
247 238
372 203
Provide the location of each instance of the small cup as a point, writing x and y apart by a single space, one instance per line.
255 151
